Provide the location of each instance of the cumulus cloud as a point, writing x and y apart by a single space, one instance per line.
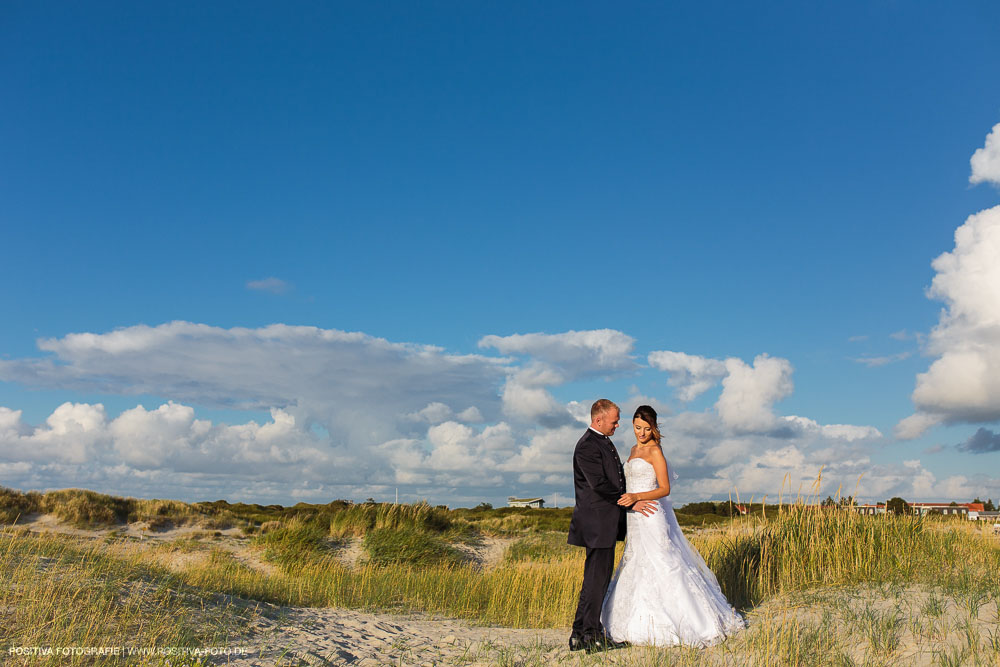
351 415
963 383
812 467
69 434
271 284
433 413
470 415
981 442
750 392
570 355
985 162
557 359
347 382
168 437
690 375
527 403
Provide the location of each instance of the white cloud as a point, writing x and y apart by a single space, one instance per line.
963 383
555 360
915 425
470 415
445 426
750 392
572 354
845 432
691 375
985 162
433 413
69 434
347 382
875 361
167 438
528 403
271 284
170 436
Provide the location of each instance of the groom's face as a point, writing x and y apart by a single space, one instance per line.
608 422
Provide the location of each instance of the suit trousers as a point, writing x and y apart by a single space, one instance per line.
597 572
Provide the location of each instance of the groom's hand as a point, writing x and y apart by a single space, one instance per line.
645 507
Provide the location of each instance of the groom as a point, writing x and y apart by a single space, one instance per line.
598 521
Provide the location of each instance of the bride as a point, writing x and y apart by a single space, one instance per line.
662 592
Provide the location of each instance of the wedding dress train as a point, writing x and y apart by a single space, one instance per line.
662 592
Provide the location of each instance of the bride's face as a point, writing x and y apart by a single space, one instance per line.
643 431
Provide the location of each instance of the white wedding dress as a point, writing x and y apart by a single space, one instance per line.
662 592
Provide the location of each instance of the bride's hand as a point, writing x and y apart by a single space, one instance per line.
628 499
646 507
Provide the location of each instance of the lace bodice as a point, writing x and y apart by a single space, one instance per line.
639 476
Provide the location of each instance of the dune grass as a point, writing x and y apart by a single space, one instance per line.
56 593
536 585
806 547
88 509
412 565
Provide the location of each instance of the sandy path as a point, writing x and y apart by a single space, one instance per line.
308 636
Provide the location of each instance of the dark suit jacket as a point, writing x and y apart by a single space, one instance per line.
599 481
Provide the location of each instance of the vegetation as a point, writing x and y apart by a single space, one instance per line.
57 593
386 546
413 560
89 509
897 506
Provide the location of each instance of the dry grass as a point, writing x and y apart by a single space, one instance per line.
58 593
799 553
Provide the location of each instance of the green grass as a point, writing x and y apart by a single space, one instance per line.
294 543
386 546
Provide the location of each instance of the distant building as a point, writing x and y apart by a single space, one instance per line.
877 508
525 502
975 515
971 511
948 509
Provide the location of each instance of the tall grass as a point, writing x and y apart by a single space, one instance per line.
805 547
754 558
89 509
536 586
54 593
357 520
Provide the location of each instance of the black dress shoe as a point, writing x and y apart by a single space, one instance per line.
577 643
604 643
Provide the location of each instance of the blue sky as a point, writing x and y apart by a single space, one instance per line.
721 181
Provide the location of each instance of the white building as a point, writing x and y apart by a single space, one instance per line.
537 503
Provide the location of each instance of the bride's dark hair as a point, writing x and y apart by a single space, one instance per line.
647 414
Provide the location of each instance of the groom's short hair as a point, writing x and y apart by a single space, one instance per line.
601 406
